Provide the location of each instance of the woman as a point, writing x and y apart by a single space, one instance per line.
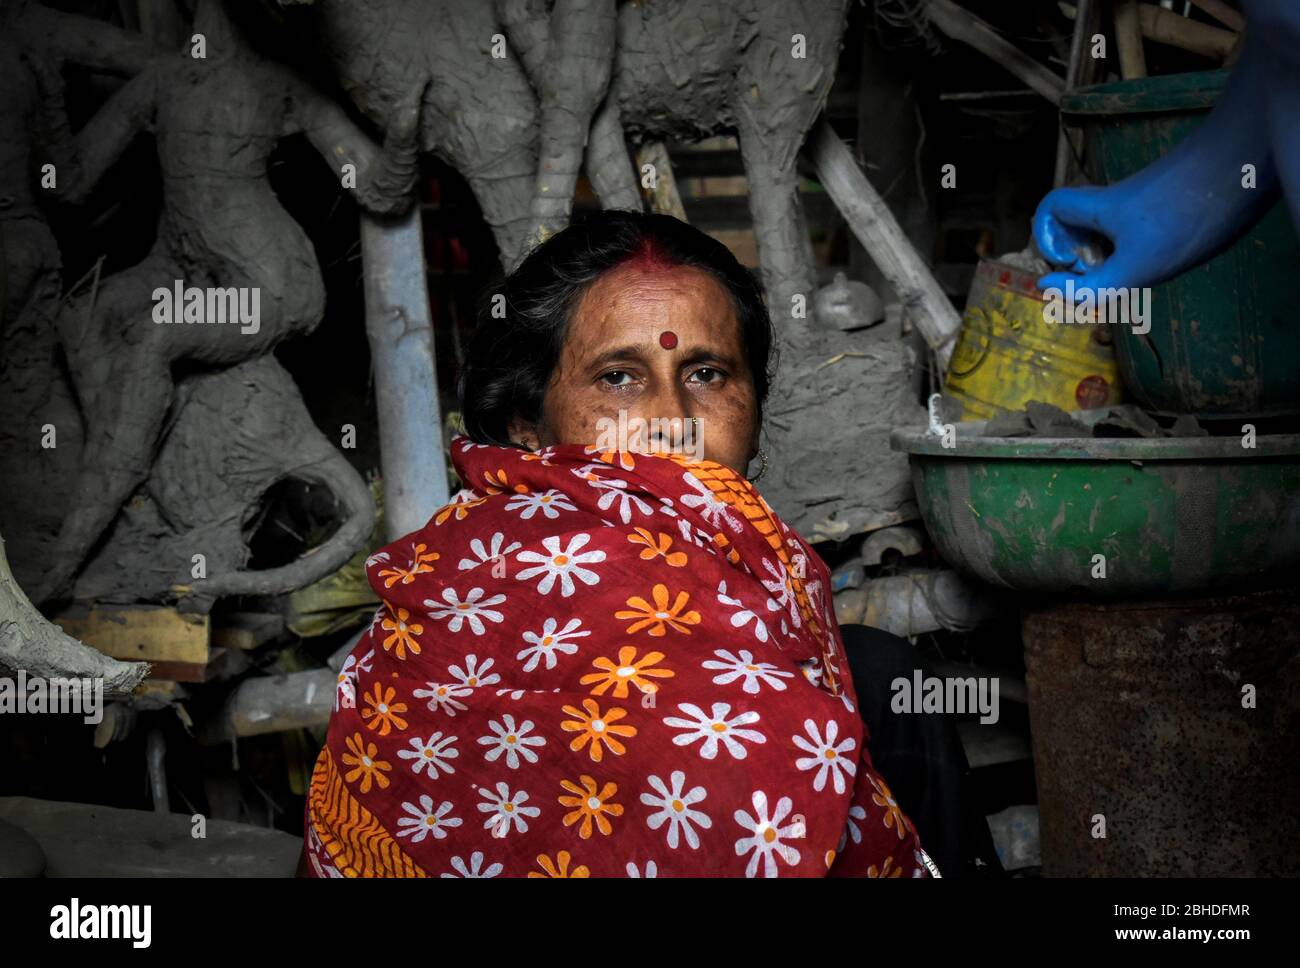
606 657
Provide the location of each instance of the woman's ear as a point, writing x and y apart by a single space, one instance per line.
524 434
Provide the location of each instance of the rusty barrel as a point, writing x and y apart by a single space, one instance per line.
1172 728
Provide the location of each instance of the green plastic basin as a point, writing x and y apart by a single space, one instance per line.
1172 515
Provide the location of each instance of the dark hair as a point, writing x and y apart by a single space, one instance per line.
510 360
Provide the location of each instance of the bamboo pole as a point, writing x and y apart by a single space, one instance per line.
406 382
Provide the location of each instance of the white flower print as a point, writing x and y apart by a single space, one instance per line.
376 558
511 740
424 820
710 506
781 586
474 868
743 666
505 810
564 564
323 870
542 456
616 491
550 503
715 728
547 642
431 754
851 831
766 835
812 670
444 697
474 675
743 617
651 869
484 555
675 809
473 609
345 693
825 756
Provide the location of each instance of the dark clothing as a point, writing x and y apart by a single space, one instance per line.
920 756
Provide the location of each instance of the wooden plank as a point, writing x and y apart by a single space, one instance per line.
148 633
962 25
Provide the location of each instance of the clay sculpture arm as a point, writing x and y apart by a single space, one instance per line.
85 41
608 164
30 642
384 178
1179 211
100 143
331 469
568 55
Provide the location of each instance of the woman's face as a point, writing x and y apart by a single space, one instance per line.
654 342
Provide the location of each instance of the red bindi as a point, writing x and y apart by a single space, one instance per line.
668 339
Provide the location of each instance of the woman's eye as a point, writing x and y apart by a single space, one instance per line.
707 374
614 378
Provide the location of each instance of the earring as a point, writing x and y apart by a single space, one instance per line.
762 455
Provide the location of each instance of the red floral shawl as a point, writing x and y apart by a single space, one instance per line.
606 665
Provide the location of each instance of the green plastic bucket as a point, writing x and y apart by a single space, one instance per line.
1223 342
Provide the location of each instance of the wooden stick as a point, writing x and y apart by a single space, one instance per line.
880 234
1166 27
964 26
1230 17
1079 71
665 198
1128 38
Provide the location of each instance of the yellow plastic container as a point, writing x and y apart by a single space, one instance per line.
1008 353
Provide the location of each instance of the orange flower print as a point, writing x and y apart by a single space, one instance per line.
659 616
559 867
619 674
404 632
382 711
893 813
498 482
364 759
625 459
656 546
887 869
597 729
590 806
459 508
421 563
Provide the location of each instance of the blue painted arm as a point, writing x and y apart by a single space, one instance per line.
1179 211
